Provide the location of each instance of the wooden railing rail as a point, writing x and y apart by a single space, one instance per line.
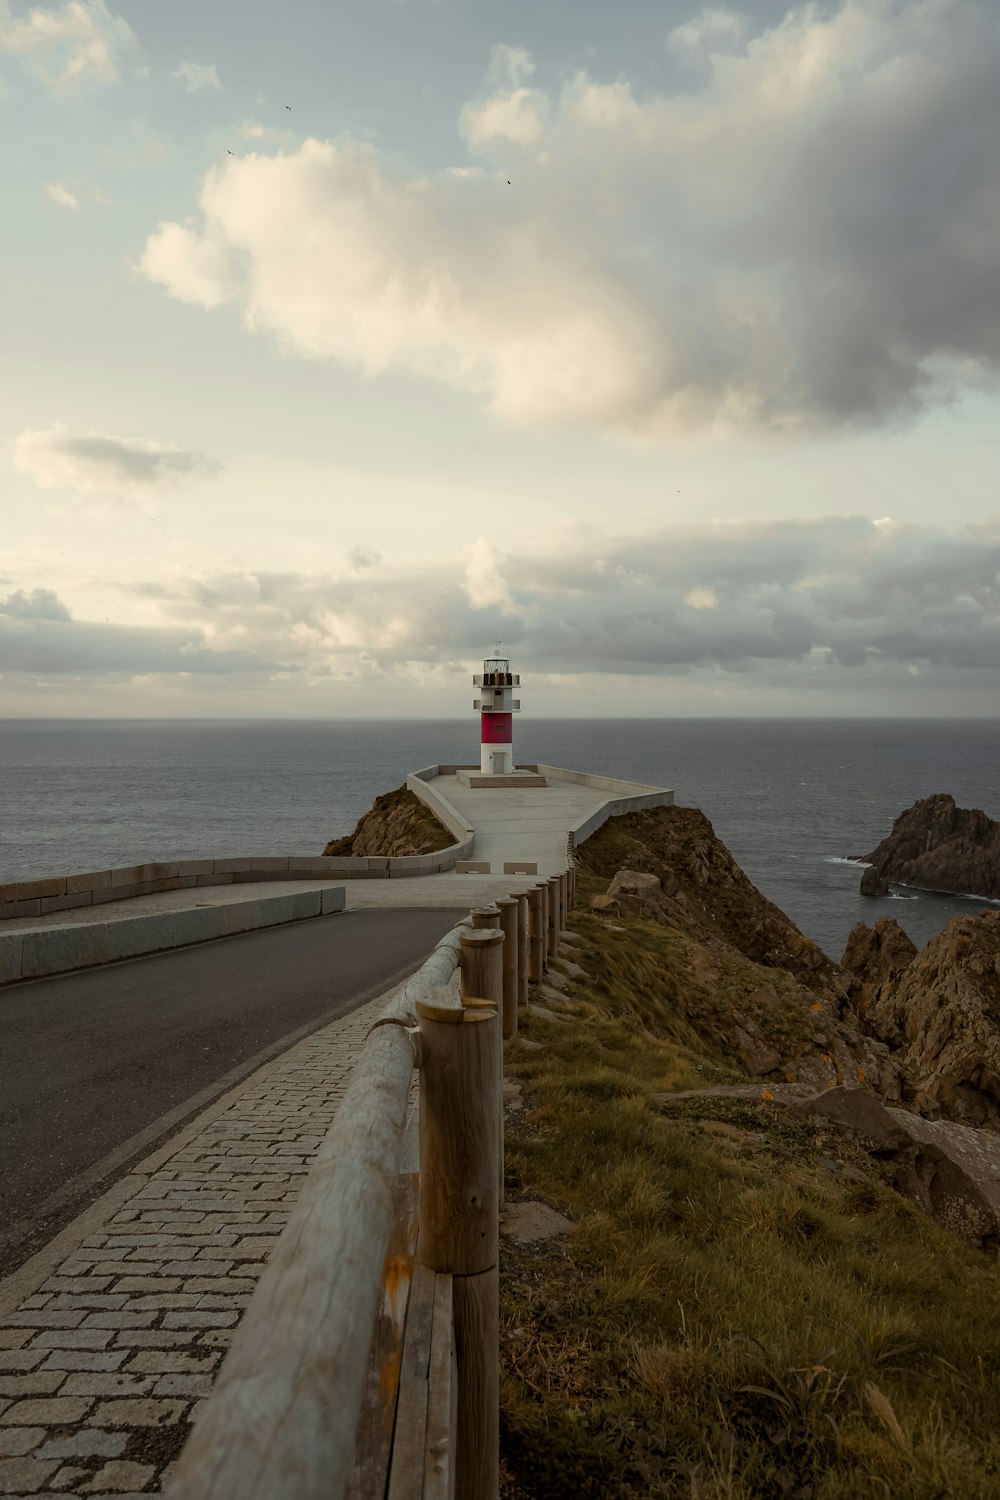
282 1418
282 1422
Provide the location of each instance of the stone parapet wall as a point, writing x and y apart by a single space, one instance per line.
34 953
37 898
421 784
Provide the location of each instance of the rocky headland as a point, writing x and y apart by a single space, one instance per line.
905 1037
774 1179
397 824
938 847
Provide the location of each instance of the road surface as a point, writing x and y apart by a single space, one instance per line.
97 1067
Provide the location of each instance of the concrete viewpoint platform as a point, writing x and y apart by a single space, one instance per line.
526 822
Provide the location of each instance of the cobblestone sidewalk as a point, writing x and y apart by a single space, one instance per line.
110 1338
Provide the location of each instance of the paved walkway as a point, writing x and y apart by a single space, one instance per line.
110 1336
100 1066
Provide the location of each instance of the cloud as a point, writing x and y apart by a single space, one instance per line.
363 557
35 647
840 593
196 76
40 604
805 239
513 115
94 464
702 599
483 581
61 195
509 64
77 44
713 31
818 607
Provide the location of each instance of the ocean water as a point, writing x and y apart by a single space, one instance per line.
793 799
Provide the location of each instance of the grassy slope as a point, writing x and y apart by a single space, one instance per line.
736 1315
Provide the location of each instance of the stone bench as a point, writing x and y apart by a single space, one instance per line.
472 867
520 867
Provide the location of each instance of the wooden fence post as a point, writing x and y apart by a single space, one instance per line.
523 950
509 926
459 1228
481 960
555 916
564 896
486 916
536 932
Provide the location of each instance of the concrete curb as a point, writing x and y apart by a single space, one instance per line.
631 801
57 950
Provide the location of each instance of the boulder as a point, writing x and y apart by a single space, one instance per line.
855 1113
941 847
950 1171
636 893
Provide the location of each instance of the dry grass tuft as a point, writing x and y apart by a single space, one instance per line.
882 1407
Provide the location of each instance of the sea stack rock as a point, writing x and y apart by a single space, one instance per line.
872 883
938 847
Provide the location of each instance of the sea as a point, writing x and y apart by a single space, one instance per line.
795 800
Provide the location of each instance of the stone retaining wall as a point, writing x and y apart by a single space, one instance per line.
36 898
35 953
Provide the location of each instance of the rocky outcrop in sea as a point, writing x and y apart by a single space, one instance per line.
938 847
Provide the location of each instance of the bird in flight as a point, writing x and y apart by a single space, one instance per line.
288 106
230 153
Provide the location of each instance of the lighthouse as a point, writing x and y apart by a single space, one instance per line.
496 706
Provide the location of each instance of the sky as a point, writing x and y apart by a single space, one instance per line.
659 343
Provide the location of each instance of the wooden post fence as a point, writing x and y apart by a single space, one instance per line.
482 980
283 1420
536 934
523 949
509 926
555 916
281 1423
459 1224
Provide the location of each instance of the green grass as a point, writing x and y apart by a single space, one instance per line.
730 1318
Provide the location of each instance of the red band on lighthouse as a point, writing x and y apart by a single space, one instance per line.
498 729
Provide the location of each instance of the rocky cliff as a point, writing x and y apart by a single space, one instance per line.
939 847
750 980
917 1028
397 824
887 1026
938 1012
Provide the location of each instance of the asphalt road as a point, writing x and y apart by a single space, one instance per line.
97 1067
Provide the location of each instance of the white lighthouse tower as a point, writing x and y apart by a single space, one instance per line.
496 707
